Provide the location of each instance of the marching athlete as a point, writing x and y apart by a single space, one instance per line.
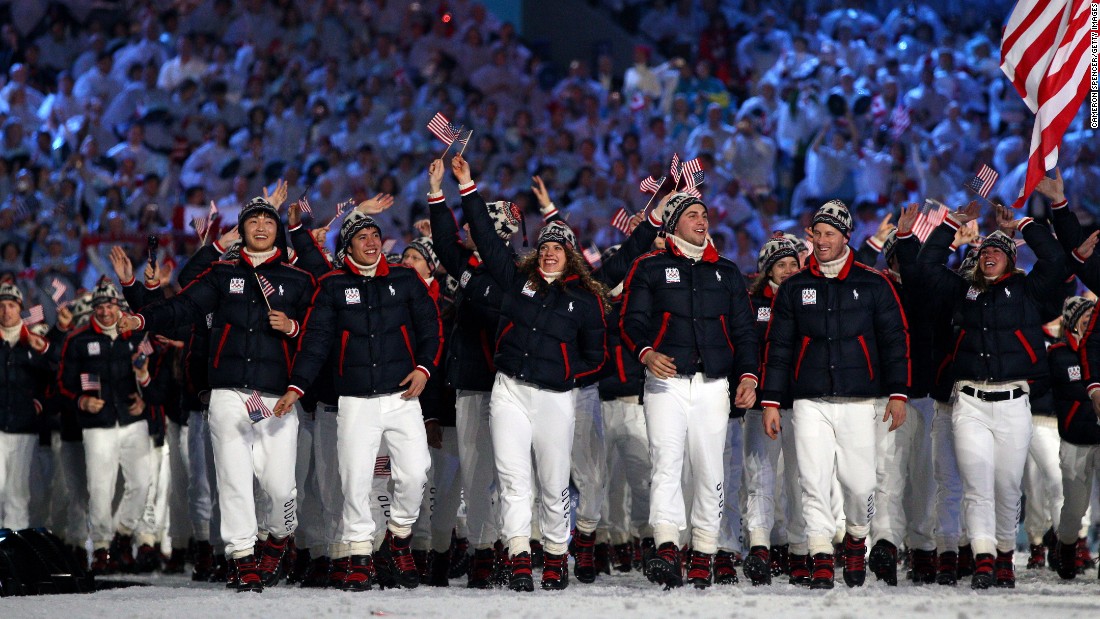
837 340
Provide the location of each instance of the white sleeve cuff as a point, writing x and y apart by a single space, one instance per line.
296 389
425 370
467 188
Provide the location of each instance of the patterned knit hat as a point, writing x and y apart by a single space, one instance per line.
776 249
969 261
557 232
1000 240
82 309
836 214
233 252
105 292
256 206
1072 311
675 208
11 292
352 224
507 218
424 246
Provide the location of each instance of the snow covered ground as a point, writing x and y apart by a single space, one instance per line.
1038 595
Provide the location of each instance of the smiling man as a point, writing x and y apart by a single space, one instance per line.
687 317
837 340
382 329
256 302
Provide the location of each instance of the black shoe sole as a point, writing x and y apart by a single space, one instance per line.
857 581
883 566
981 582
699 583
758 571
584 576
356 588
524 585
949 581
728 580
821 584
553 585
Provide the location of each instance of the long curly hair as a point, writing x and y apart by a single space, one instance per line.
574 265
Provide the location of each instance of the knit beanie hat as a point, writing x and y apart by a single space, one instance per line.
776 249
675 208
1000 240
836 214
1072 311
557 232
426 249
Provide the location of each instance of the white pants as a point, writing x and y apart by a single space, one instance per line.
361 424
155 517
74 469
731 533
950 528
179 463
310 531
106 450
244 451
528 421
327 469
905 489
991 442
439 508
840 436
1042 479
588 464
627 438
761 484
1079 464
202 493
687 420
16 453
475 452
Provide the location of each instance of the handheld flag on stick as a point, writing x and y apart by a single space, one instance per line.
650 186
592 256
257 410
445 130
35 315
90 382
266 288
675 169
59 289
465 139
930 216
621 221
688 169
983 181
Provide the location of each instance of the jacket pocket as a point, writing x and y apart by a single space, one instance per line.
1027 346
408 344
725 332
343 349
801 354
867 356
565 359
664 328
221 345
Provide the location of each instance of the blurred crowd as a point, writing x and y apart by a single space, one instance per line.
125 119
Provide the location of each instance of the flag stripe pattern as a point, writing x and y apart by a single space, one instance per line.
931 216
257 410
982 183
59 289
35 315
443 129
265 286
592 255
382 466
621 221
675 168
1045 54
649 185
89 382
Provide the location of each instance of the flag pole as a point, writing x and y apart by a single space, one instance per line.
982 197
452 143
466 143
266 302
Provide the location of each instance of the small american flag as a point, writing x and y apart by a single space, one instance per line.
675 168
89 382
145 347
693 166
982 183
931 215
899 121
692 191
59 289
35 315
257 410
445 130
464 136
621 221
592 255
304 207
213 211
694 180
388 245
265 286
649 185
200 224
382 466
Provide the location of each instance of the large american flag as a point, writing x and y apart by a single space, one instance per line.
982 183
257 410
621 221
1045 53
443 129
931 215
89 382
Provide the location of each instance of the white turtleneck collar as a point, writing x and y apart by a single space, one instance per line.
11 335
551 277
833 268
363 269
774 286
111 331
257 258
691 251
429 281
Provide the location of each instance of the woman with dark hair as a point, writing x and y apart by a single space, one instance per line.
551 334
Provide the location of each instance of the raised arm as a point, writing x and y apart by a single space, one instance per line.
495 252
448 247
